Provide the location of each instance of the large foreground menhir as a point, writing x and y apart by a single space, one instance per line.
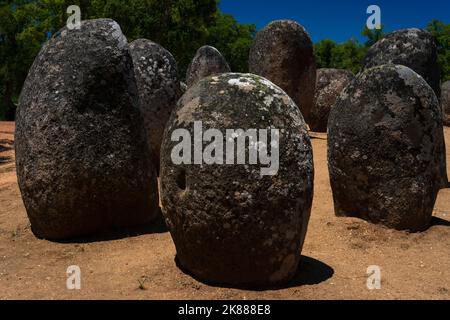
230 224
83 163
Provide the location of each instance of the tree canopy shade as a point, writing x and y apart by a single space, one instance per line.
181 26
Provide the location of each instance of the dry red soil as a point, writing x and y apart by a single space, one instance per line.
140 264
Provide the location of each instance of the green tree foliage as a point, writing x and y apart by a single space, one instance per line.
24 28
441 33
233 40
21 36
324 53
373 35
181 26
348 55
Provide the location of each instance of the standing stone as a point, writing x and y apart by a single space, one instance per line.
414 48
385 152
207 61
159 88
329 85
445 102
230 223
83 162
283 53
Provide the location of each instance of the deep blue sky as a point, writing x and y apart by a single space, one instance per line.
339 20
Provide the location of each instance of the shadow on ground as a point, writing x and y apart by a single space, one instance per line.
6 145
155 227
5 160
435 221
310 272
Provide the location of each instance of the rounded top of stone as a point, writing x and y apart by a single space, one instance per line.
392 70
102 30
206 49
400 45
285 28
207 61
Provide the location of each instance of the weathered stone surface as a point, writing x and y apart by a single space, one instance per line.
385 152
283 53
329 85
183 87
229 223
414 48
83 163
207 61
445 102
159 88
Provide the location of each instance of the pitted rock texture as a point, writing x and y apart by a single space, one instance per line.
445 102
230 224
83 162
329 85
283 53
207 61
385 153
159 88
414 48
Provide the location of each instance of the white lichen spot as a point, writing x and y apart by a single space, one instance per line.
356 154
271 85
268 100
242 83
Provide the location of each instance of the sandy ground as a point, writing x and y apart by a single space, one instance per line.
139 264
